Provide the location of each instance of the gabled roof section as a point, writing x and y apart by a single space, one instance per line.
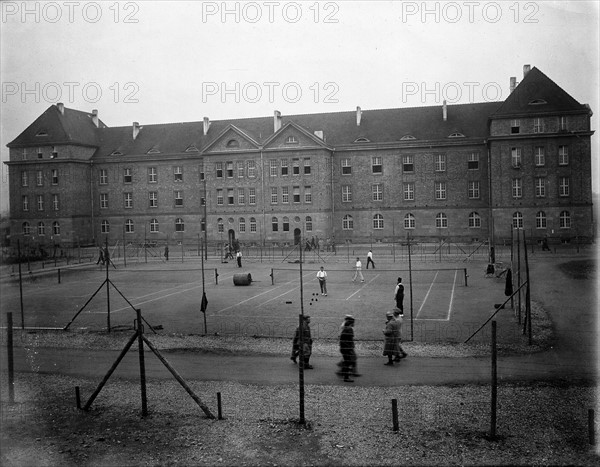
54 127
226 138
531 93
288 129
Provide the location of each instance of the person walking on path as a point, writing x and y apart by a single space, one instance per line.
322 276
347 349
398 336
390 345
399 295
100 256
307 344
370 259
238 257
358 271
166 254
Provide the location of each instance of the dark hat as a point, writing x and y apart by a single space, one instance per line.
306 316
349 318
389 314
397 312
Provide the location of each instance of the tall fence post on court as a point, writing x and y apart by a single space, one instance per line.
395 414
494 383
21 284
216 277
466 275
10 355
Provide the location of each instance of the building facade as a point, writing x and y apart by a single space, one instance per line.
462 173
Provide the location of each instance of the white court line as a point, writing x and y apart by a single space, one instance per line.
361 287
285 293
451 297
427 294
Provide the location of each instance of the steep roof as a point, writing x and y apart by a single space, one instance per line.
54 127
538 93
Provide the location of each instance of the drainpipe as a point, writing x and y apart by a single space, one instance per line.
262 181
92 201
492 236
331 221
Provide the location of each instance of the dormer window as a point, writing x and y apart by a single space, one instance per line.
116 153
291 140
456 135
42 133
233 143
537 102
362 139
407 137
192 148
153 151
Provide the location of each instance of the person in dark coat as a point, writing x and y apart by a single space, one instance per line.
391 331
307 344
238 257
100 256
347 349
399 295
399 317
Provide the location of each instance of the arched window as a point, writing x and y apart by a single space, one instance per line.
242 225
55 228
220 225
565 220
540 220
517 220
441 221
474 220
274 224
25 228
308 225
179 225
233 143
347 222
129 228
252 224
378 221
105 227
286 224
409 221
41 228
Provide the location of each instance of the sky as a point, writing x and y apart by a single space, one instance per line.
172 61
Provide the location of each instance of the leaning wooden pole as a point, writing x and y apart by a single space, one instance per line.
301 343
140 334
494 384
527 293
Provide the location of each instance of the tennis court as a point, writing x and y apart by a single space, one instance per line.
442 306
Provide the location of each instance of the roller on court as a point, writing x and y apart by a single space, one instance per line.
242 279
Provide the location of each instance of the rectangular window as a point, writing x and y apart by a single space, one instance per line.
40 202
103 177
152 175
153 198
515 126
252 224
296 166
241 196
24 178
229 165
230 197
219 197
473 163
178 173
440 190
409 191
474 190
178 198
25 199
240 169
55 204
563 123
127 177
284 168
251 195
517 188
377 165
285 194
563 155
274 195
346 193
307 194
24 154
103 200
346 167
128 198
408 163
540 187
40 153
251 169
440 162
273 167
515 155
296 194
538 125
563 186
39 178
219 169
539 156
377 190
54 175
307 166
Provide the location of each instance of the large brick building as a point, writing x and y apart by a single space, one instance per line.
459 172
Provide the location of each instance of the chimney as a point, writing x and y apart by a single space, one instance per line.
95 117
358 115
136 129
276 121
445 111
526 69
513 83
61 107
206 125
